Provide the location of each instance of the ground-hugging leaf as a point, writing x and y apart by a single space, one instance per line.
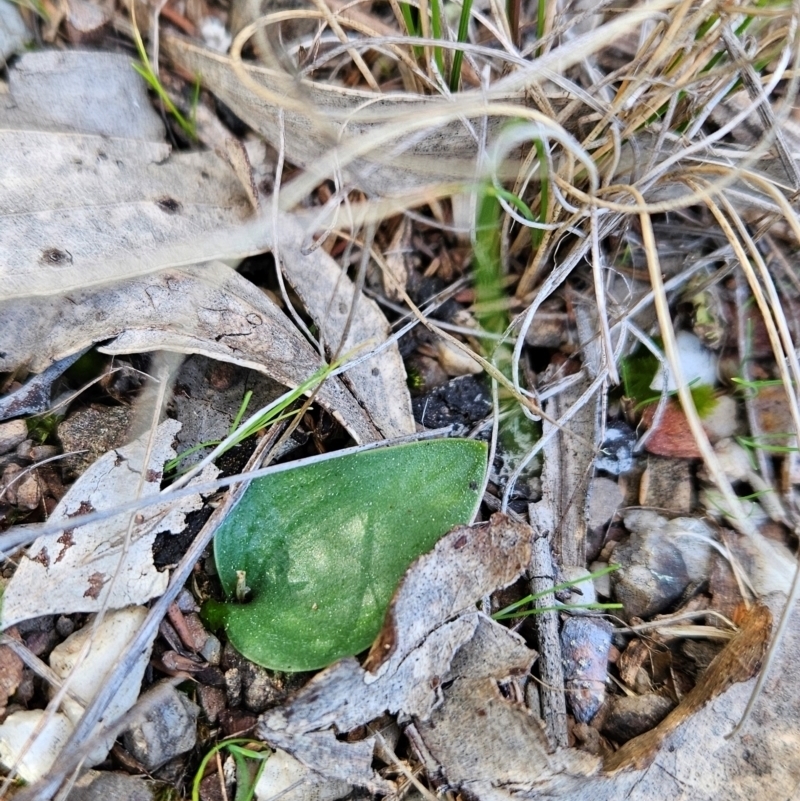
323 546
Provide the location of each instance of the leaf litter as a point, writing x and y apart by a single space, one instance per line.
677 165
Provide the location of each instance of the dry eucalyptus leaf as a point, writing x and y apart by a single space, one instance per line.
480 737
86 199
688 755
78 210
89 568
209 310
321 116
70 91
431 617
285 778
330 297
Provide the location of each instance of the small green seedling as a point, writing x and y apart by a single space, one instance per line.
319 549
515 610
638 371
274 413
145 69
243 752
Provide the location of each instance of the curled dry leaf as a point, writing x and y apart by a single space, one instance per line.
688 755
431 617
130 208
479 737
209 310
318 117
91 567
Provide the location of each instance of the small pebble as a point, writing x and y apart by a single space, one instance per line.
632 715
258 689
186 602
585 644
233 686
12 433
168 729
211 650
65 626
212 701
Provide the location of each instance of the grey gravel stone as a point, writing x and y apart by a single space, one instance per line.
233 686
168 730
186 601
212 650
653 573
630 716
12 433
95 785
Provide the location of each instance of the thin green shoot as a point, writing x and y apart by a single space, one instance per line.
762 443
411 26
245 782
145 69
541 17
506 611
594 607
489 289
436 30
756 385
490 293
754 496
274 413
537 234
173 463
461 37
237 421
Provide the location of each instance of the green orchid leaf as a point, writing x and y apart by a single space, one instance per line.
322 547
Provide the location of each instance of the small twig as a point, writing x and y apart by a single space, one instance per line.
551 668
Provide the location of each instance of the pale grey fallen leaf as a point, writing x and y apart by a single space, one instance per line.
13 33
78 210
338 761
330 297
213 311
74 573
79 91
689 755
321 116
431 617
480 736
209 310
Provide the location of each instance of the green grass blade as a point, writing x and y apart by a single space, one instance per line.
458 56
